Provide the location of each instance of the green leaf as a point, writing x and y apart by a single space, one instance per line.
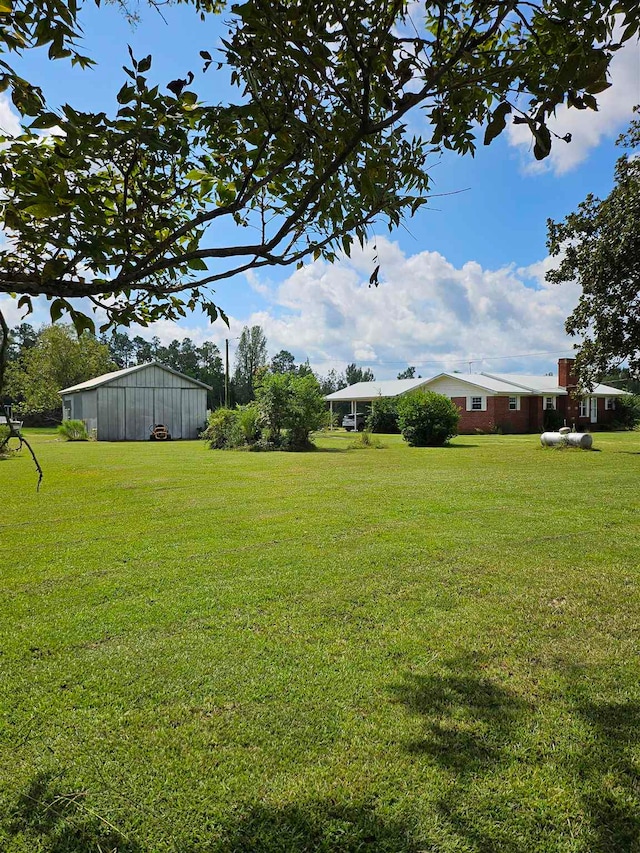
58 307
497 123
197 264
45 121
42 210
542 147
144 64
126 94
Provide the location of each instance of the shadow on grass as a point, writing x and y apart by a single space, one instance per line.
609 768
50 819
468 719
514 789
323 826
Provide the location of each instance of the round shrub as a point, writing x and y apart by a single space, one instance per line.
427 419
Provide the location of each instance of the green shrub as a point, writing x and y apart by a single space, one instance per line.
427 419
291 408
5 450
273 398
224 431
249 422
73 431
383 416
307 411
627 412
552 420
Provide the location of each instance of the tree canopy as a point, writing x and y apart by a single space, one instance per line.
125 209
599 247
58 359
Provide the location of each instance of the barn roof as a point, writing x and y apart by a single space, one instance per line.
116 374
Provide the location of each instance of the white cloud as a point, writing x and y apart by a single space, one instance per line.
587 128
9 121
425 312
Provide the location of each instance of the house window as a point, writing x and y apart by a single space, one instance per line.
609 403
514 404
549 402
584 407
476 404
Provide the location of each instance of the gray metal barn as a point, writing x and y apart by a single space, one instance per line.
125 405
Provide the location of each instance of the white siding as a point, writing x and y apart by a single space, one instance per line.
456 388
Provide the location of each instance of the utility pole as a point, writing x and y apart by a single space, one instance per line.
226 373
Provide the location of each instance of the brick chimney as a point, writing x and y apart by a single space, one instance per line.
566 376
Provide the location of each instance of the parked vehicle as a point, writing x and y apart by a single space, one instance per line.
348 422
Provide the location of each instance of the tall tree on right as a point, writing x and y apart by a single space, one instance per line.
599 247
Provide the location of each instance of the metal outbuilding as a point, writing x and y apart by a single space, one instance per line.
126 405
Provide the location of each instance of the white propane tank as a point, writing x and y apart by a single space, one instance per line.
572 439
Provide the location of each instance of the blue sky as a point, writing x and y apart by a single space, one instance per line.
462 281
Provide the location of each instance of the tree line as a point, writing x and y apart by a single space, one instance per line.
43 361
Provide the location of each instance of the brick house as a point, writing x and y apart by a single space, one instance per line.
511 402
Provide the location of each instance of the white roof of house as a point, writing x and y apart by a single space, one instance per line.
514 384
116 374
372 390
534 384
549 385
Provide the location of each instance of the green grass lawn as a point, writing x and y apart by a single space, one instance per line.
382 650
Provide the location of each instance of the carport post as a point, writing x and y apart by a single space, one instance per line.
353 412
331 411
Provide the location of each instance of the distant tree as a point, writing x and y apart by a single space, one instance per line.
599 246
58 360
332 382
620 377
304 369
409 373
354 374
122 349
283 362
211 372
23 337
250 356
143 350
188 359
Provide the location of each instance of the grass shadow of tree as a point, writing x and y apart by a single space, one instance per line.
47 818
485 735
468 718
608 768
318 826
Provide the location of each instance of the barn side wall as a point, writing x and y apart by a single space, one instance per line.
130 406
